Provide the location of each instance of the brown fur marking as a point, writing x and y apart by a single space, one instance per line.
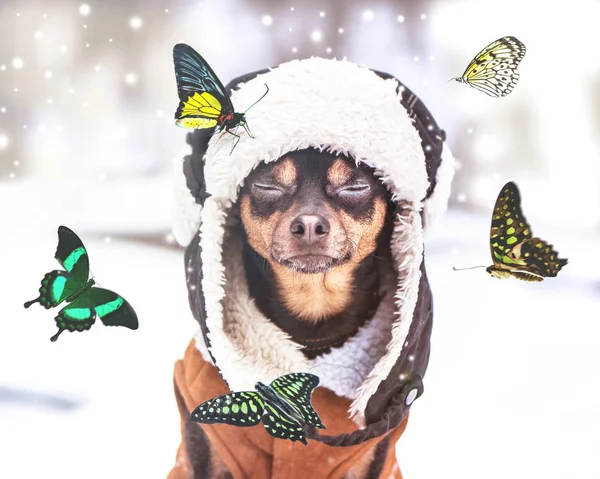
284 172
339 173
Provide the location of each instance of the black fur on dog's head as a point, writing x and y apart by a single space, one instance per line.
314 217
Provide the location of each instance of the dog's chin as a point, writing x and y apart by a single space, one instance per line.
312 264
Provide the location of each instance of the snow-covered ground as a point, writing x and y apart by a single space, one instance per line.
512 388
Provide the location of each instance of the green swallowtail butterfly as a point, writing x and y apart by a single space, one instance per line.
73 286
283 406
515 253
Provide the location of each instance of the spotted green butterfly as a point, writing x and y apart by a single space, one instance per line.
283 406
494 69
73 286
515 253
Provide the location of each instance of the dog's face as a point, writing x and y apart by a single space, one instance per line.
311 212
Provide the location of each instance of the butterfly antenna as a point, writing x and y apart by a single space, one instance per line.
265 94
472 267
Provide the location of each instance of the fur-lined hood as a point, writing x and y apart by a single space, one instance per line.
343 108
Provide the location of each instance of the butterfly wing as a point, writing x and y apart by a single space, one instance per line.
57 285
542 258
80 314
512 246
279 425
72 256
202 96
242 409
297 389
494 69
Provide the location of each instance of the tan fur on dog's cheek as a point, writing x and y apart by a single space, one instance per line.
258 230
364 235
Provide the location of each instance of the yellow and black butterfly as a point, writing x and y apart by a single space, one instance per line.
515 253
494 69
204 102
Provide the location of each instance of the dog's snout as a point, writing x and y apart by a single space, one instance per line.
310 228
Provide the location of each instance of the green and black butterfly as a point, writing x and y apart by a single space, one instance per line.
283 406
73 286
515 253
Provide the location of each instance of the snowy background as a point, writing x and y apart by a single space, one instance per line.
87 95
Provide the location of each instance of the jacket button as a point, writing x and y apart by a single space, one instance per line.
412 395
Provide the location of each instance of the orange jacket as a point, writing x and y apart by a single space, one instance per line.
211 451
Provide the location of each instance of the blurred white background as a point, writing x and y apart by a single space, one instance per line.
87 96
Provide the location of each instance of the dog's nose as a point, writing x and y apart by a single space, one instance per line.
310 228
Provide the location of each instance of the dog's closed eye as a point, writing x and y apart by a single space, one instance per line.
266 191
359 190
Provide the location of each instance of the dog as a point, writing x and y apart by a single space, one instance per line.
317 230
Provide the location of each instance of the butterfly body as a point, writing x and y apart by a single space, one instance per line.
73 286
493 71
283 406
203 100
515 252
270 395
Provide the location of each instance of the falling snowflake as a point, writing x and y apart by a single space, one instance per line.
131 79
267 20
84 9
4 141
18 63
321 14
340 30
38 35
63 48
400 18
136 23
316 36
48 75
423 16
368 15
3 109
